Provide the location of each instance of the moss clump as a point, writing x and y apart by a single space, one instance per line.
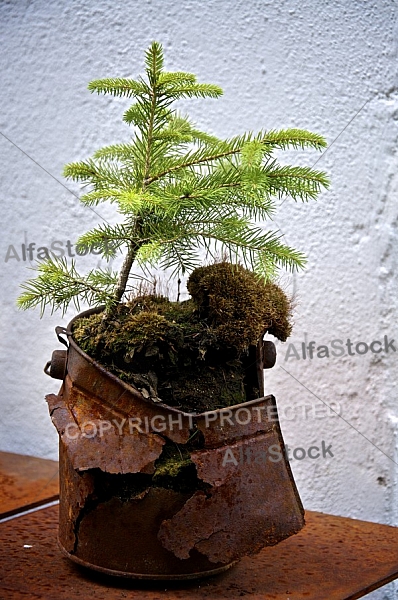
193 355
238 305
138 330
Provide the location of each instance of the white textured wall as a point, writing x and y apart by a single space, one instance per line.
329 66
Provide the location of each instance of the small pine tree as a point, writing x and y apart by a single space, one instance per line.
179 191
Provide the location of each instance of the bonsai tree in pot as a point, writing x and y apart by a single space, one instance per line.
133 442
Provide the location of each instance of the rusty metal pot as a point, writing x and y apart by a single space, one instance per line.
114 518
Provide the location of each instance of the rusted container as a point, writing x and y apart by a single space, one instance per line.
240 495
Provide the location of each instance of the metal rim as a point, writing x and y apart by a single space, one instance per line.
146 576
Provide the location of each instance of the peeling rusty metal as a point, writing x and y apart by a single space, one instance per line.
93 443
114 518
75 489
251 503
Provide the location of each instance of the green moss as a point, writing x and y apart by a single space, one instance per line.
239 306
136 327
175 470
172 461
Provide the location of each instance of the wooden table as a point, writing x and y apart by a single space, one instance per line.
332 558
